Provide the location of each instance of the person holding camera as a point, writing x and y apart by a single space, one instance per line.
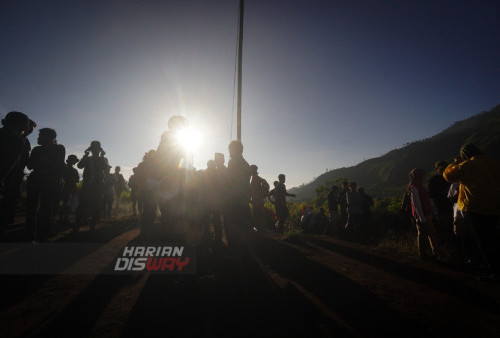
478 199
94 166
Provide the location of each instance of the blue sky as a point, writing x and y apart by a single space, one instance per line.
326 84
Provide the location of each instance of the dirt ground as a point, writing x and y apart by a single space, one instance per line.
311 286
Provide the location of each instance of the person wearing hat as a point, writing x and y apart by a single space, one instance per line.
11 142
11 188
479 199
43 187
438 189
94 165
69 199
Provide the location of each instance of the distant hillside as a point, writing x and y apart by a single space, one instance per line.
388 175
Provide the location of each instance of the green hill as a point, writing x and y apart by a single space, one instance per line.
388 175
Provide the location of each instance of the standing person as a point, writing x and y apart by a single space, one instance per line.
132 184
366 205
259 188
119 186
220 198
238 212
171 166
280 195
421 209
11 187
94 167
333 209
343 203
354 210
44 184
11 142
70 180
110 185
438 189
479 199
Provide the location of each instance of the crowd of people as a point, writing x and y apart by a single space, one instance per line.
215 199
459 209
51 186
459 205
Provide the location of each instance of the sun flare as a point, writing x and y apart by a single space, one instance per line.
189 139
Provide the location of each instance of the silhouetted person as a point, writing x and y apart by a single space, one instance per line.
238 212
438 189
109 191
11 187
259 188
171 163
69 194
333 209
354 201
11 142
132 184
220 197
343 203
148 176
280 195
421 208
44 184
119 187
479 199
366 205
94 165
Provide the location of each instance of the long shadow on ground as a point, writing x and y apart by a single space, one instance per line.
230 297
365 312
17 287
428 278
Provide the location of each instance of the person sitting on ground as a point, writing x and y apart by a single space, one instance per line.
478 199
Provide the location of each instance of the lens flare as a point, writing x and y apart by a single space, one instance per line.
189 139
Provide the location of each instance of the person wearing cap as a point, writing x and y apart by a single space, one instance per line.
438 189
94 167
479 199
12 183
43 187
71 177
11 142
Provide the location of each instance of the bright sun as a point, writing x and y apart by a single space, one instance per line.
189 139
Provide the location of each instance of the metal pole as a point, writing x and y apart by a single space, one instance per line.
240 53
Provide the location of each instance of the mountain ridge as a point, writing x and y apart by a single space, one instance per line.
387 175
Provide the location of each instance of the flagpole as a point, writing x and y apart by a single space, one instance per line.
240 52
